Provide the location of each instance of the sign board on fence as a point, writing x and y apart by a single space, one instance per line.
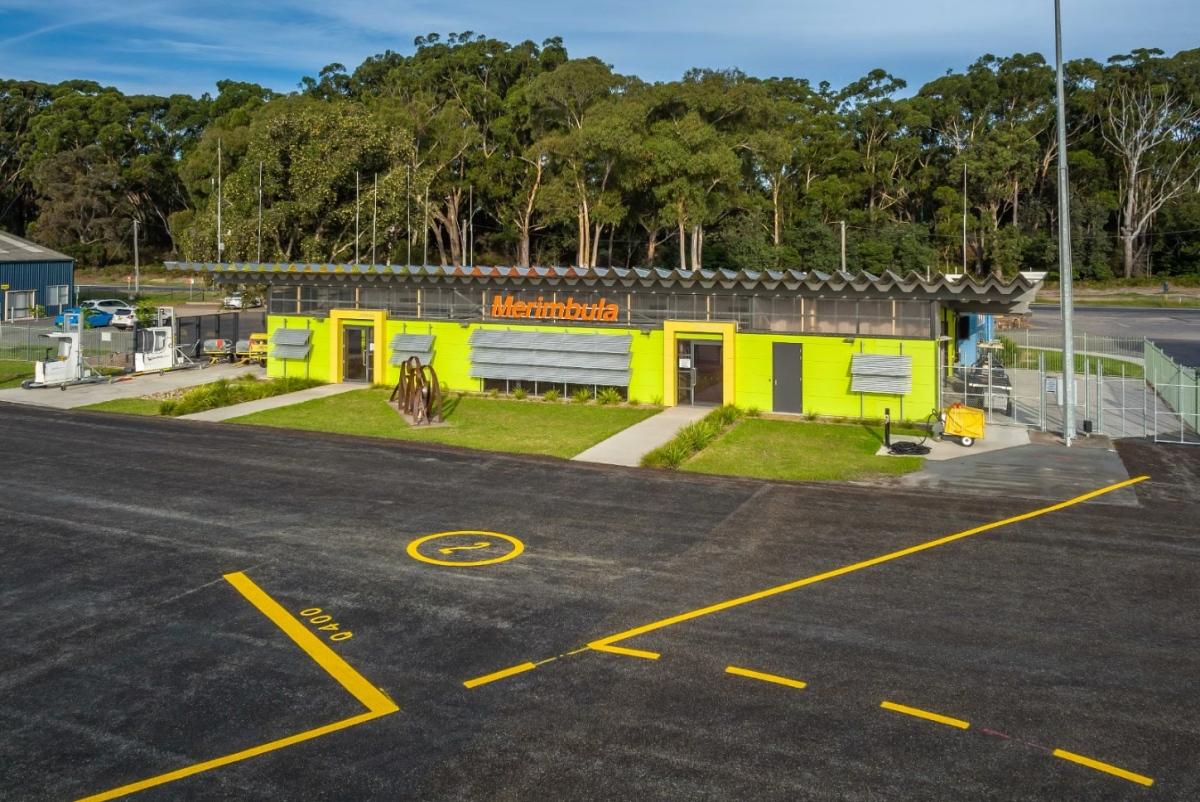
106 336
1052 389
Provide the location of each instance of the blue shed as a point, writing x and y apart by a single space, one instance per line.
32 276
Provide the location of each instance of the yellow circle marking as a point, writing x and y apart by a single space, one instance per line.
518 547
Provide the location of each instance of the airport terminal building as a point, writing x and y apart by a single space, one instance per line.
783 341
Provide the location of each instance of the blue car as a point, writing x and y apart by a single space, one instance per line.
94 319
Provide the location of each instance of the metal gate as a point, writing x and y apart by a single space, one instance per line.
1123 387
1176 402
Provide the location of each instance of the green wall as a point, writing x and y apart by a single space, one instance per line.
825 374
826 365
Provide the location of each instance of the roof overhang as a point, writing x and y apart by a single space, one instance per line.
991 295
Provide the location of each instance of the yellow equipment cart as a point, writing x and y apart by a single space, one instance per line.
963 422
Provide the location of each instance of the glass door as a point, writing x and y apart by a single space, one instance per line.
685 379
700 377
709 386
357 354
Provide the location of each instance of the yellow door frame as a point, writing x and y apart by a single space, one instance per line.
672 328
338 320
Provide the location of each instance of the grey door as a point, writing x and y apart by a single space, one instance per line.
787 393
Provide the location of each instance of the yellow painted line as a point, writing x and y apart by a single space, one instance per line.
627 652
912 711
375 700
327 658
604 643
778 680
508 672
235 757
1096 764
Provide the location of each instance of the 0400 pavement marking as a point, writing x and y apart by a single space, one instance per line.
606 644
375 700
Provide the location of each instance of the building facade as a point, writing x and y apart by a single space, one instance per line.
787 341
32 276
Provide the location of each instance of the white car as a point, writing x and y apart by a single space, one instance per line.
123 318
236 300
109 305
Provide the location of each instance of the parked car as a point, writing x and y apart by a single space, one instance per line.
109 305
124 318
93 319
236 300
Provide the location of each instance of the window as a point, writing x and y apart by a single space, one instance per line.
58 295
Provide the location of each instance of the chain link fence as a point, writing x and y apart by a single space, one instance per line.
102 348
1177 398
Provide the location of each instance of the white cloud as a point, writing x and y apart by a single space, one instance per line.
188 45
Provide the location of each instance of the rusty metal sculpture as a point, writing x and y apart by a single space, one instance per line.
418 393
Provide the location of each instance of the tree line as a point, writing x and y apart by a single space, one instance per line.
472 149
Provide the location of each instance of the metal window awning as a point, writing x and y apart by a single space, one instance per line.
552 357
404 346
290 343
881 373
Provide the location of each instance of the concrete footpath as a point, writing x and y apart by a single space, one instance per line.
628 446
274 402
133 387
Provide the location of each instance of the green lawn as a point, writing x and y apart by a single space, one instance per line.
13 373
559 430
774 449
128 406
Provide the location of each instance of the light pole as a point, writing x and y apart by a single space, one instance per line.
1065 275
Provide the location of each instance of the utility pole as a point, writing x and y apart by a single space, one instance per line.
965 212
1065 274
137 278
260 212
408 216
374 217
356 205
425 236
220 242
471 225
843 246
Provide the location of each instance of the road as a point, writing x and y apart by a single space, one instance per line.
1176 331
176 626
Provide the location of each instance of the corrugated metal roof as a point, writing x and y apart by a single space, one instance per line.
18 249
888 283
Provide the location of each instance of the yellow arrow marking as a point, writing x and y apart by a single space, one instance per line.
482 545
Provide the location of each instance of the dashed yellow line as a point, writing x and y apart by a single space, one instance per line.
778 680
912 711
508 672
606 644
1096 764
375 700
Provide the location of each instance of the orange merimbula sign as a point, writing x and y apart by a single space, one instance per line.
541 309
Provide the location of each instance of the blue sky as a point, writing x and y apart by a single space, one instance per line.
166 47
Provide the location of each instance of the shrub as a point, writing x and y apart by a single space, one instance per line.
725 415
633 402
609 395
582 395
520 393
224 393
552 395
656 400
495 393
753 412
669 455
